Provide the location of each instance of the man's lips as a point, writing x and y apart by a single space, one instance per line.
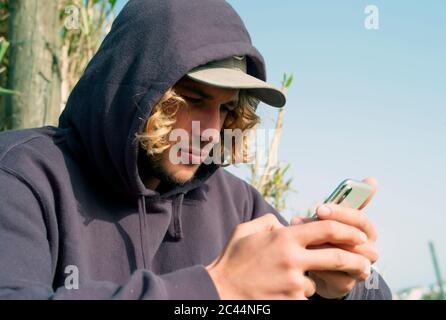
192 156
196 152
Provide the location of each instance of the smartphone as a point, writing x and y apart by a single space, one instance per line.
350 193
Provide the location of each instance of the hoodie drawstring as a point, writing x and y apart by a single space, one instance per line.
175 228
143 227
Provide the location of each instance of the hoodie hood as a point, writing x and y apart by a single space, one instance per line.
152 44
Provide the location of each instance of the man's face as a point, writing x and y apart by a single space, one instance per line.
207 106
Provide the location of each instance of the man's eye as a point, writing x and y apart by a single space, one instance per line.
192 100
227 107
224 108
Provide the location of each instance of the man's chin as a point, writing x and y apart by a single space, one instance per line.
172 173
178 174
183 174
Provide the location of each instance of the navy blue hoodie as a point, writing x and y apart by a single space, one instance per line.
72 199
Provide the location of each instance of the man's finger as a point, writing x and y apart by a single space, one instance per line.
374 183
340 282
334 259
300 220
310 286
320 232
367 250
352 217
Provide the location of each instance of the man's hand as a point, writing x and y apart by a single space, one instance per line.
334 284
265 260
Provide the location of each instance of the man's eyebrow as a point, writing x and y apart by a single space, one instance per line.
198 91
203 94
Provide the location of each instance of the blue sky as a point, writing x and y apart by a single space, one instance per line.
364 103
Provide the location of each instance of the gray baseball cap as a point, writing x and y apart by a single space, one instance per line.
231 73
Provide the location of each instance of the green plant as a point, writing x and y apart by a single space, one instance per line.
4 45
431 296
272 182
94 19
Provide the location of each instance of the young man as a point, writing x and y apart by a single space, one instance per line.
99 207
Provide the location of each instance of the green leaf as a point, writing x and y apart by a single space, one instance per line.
284 80
290 80
4 92
4 45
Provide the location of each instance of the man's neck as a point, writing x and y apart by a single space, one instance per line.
151 183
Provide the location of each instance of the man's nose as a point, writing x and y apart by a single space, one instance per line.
210 117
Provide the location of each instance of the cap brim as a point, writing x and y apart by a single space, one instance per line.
237 79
